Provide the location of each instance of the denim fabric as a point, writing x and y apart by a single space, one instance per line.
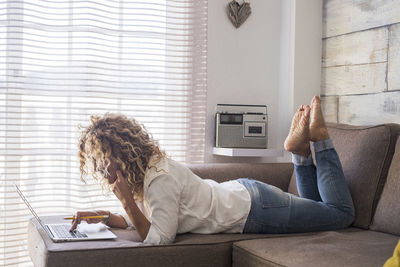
324 203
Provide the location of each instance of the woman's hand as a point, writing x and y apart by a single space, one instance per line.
80 214
122 190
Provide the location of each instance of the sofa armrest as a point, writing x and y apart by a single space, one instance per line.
277 174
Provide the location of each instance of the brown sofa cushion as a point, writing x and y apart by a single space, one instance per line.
387 215
349 247
365 153
126 250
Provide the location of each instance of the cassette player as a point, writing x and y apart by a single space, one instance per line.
241 126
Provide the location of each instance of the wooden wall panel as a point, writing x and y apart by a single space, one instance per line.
394 58
344 16
356 48
361 61
329 108
369 109
355 79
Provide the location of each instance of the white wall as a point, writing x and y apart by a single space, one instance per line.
257 64
301 50
307 51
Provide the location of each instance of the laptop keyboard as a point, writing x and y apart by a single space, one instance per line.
62 230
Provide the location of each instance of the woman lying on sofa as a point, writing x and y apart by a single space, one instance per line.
121 155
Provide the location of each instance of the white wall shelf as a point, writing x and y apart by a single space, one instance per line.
246 152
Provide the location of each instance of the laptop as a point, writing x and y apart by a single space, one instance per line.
60 232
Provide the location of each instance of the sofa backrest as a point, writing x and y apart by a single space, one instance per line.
365 153
277 174
387 214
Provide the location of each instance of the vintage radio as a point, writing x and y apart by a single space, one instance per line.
241 126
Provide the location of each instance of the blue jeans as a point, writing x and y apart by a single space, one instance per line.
325 202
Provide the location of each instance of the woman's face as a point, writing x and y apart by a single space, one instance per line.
112 173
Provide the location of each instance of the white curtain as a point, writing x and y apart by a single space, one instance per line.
62 61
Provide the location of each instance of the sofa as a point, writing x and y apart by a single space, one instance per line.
370 158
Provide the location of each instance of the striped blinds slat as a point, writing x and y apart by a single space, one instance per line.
62 61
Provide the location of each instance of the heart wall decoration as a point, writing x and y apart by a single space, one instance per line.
238 13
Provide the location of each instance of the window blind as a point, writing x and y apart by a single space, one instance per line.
62 61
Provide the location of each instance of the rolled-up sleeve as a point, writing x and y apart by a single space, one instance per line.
127 219
163 197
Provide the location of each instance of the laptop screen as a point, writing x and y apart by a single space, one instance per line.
28 205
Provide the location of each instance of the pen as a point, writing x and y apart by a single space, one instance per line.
88 217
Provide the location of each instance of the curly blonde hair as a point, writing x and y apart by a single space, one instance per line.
125 142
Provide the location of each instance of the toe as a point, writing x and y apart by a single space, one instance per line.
307 108
307 111
316 100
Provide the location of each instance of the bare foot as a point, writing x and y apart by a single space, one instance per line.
298 140
318 131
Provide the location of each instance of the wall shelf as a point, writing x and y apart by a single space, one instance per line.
246 152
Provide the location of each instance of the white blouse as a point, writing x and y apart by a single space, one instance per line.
175 200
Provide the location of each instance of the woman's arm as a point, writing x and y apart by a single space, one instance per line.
122 190
137 218
114 220
117 221
164 199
